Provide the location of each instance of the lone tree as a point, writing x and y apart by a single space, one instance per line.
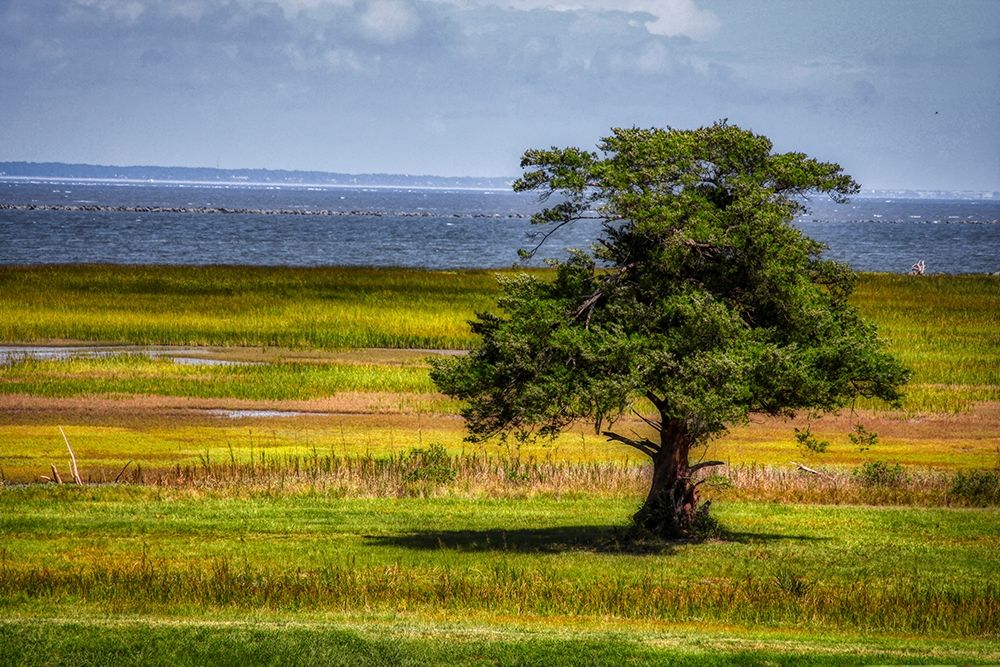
699 305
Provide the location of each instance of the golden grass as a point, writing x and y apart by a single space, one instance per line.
160 433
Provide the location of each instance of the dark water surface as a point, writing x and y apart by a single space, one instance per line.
419 228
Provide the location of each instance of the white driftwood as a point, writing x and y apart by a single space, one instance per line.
72 457
811 471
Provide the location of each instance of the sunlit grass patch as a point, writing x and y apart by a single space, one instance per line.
161 433
326 308
140 375
946 327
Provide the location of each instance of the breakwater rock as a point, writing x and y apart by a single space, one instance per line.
223 210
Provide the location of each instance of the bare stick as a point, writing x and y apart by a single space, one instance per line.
55 474
119 475
73 469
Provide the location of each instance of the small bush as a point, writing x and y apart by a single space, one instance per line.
432 465
718 482
977 487
793 584
705 526
879 473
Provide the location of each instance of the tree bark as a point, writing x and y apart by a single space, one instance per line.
671 508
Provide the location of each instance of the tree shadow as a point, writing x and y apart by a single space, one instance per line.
550 540
751 538
616 539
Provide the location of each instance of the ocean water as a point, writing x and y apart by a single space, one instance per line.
88 222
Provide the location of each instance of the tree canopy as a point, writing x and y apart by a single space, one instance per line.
699 305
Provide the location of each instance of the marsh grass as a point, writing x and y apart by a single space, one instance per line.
947 328
383 528
137 374
325 308
433 472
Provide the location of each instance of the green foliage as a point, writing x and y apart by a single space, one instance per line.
718 482
432 465
705 526
862 438
700 296
977 487
879 474
791 583
805 438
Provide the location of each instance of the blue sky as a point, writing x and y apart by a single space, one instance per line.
903 94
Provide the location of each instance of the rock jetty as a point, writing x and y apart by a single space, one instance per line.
224 210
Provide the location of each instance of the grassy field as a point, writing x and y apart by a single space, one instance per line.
948 327
358 401
323 308
311 500
538 564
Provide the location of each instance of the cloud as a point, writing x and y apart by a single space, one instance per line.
668 18
126 10
446 85
388 21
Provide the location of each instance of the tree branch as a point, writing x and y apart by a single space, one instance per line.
528 254
704 464
646 447
658 426
655 400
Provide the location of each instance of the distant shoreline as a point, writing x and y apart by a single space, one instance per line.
71 180
59 172
148 174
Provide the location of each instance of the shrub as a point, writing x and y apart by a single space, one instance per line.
432 465
879 473
977 487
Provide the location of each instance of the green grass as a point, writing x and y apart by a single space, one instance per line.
240 642
197 554
947 328
135 374
326 308
311 539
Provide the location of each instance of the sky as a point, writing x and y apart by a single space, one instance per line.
903 94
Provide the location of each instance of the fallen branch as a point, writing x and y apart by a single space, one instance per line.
55 474
811 471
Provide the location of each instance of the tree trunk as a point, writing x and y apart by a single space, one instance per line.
671 509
